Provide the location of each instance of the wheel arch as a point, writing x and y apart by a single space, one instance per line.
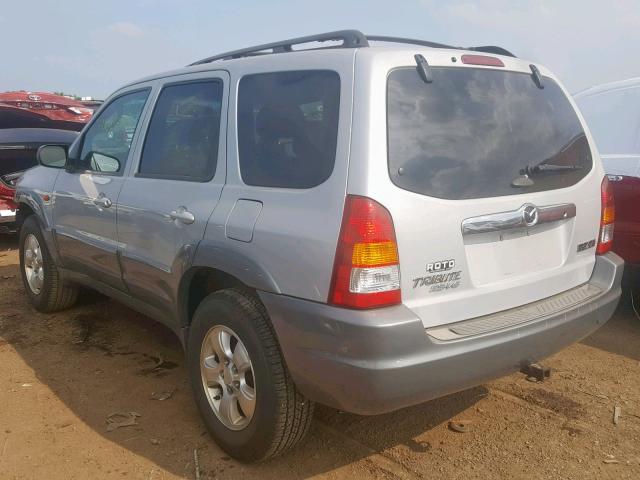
196 284
28 205
215 268
32 204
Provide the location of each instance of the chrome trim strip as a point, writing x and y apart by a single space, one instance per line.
13 147
527 215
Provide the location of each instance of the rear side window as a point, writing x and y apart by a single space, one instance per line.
288 128
182 139
614 120
475 133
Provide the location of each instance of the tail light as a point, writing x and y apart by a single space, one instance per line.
607 218
366 272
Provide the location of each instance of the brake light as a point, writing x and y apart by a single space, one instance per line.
366 272
607 218
482 60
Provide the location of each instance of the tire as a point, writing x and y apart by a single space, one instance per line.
53 294
281 415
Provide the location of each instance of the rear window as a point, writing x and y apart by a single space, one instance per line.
288 127
475 133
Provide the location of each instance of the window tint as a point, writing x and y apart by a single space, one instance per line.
106 144
472 133
182 140
288 128
614 120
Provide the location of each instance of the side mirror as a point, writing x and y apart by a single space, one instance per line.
53 156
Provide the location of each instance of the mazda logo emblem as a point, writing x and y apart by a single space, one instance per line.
530 215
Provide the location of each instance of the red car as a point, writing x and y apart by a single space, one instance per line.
42 110
612 112
18 147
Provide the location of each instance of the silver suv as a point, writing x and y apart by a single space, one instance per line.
367 227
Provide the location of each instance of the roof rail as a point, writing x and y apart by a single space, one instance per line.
411 41
349 38
486 49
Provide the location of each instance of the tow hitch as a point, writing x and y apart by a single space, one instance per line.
537 372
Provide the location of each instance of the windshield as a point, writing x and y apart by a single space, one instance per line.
475 133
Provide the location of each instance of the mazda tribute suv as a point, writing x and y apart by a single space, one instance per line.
359 221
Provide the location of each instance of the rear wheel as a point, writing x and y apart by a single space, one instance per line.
243 390
41 278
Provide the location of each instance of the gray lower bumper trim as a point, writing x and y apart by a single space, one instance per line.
376 361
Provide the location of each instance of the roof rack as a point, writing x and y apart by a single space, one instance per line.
349 39
486 49
410 41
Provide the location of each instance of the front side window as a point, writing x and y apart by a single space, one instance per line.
477 133
106 144
183 135
288 127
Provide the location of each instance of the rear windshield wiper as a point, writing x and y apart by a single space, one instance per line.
524 179
548 167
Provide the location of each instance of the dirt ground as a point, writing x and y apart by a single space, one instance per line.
61 375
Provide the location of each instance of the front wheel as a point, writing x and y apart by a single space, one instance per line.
42 281
243 390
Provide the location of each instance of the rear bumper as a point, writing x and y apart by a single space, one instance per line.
376 361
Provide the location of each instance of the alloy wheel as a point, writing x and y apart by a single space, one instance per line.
227 377
33 264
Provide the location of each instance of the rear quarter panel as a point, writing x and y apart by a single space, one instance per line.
292 247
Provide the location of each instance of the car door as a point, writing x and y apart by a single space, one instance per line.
171 192
86 191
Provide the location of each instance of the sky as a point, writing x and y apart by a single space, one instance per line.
90 48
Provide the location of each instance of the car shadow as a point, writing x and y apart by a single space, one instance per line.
101 358
621 334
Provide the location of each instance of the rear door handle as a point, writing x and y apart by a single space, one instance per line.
102 201
182 215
